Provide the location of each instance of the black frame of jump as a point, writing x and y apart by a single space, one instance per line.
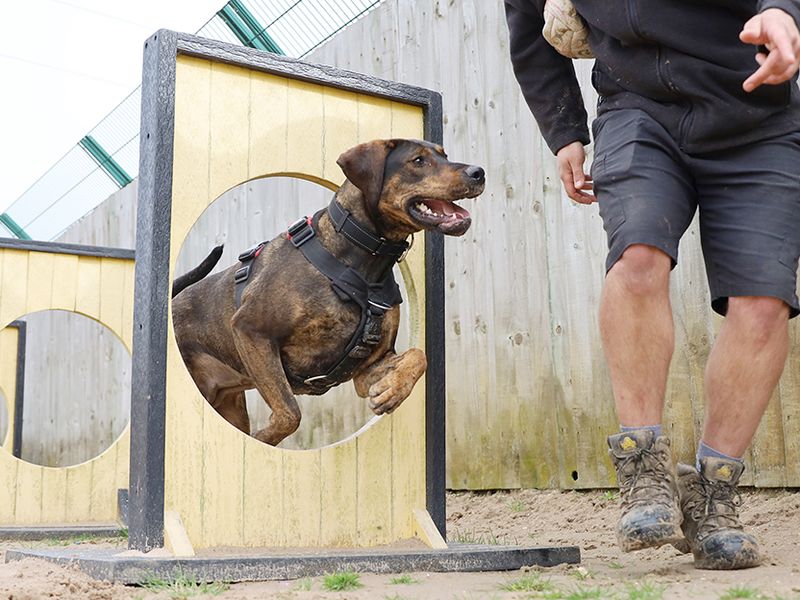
152 285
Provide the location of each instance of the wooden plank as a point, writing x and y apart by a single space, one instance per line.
8 384
340 130
373 121
103 488
267 132
374 484
8 488
263 506
304 143
65 281
79 492
89 285
302 497
228 127
126 332
13 300
28 487
54 493
339 495
112 277
223 481
408 462
40 281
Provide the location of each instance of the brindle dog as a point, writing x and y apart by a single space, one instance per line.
291 318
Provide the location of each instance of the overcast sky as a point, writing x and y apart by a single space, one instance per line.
64 65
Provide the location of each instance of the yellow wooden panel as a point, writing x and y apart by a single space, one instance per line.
103 492
54 497
13 299
340 132
126 334
228 127
9 337
89 284
268 125
29 494
263 495
191 149
65 281
304 149
79 492
302 490
123 459
374 510
408 461
112 278
40 283
8 487
339 499
374 119
407 121
184 446
223 451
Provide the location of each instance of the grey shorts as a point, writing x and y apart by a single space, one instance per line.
749 200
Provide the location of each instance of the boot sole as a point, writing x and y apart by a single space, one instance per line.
654 540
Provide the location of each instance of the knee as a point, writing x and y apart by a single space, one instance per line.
642 270
759 314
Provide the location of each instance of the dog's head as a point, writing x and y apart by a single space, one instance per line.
409 185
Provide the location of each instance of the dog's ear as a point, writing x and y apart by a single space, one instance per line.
364 166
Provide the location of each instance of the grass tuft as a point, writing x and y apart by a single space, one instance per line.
184 587
645 590
404 579
340 582
303 585
528 583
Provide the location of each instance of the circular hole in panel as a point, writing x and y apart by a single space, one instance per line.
76 386
256 211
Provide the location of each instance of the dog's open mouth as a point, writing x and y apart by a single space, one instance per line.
448 217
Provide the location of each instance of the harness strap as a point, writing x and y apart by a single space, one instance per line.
242 274
373 299
345 224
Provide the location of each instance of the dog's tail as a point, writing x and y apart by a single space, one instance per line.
196 274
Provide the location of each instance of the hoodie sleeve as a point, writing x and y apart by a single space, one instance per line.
790 6
546 78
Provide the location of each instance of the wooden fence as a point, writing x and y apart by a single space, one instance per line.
529 400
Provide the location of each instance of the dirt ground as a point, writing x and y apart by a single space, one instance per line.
527 517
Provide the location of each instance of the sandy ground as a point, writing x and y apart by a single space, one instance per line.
528 517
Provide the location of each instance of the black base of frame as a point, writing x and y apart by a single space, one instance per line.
32 534
101 563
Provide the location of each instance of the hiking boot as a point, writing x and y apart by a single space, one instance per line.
650 516
710 504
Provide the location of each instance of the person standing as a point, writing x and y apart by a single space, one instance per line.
698 110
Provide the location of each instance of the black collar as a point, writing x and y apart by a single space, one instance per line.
362 237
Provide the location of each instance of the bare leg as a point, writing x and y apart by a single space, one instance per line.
743 369
637 332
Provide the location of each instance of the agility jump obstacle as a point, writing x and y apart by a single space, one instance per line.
37 501
214 116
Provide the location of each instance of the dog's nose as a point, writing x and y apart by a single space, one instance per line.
475 173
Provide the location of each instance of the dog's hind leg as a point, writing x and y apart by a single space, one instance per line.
261 358
389 380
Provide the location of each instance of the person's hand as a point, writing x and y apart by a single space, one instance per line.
776 30
570 169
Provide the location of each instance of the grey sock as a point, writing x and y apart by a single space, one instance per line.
706 451
656 429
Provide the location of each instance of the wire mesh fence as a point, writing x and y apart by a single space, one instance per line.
107 158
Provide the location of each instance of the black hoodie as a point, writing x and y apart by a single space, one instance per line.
681 61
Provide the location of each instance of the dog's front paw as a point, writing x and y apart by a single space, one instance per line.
388 393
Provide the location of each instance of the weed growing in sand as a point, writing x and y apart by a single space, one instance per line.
403 580
517 506
341 582
615 565
581 593
528 583
611 495
645 590
488 538
745 593
184 587
303 585
581 574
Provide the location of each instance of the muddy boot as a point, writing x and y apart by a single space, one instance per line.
710 504
650 513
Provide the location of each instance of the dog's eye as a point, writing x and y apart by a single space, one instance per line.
420 160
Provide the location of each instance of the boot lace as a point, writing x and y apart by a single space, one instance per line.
644 470
716 506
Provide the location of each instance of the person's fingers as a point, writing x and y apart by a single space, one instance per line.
752 31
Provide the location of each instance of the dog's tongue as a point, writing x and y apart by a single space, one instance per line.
449 209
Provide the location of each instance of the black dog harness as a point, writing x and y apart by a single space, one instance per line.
373 298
